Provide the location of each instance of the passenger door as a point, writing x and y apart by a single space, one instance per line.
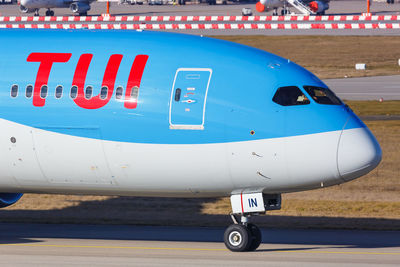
188 98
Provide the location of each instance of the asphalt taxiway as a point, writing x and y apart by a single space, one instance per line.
122 245
366 88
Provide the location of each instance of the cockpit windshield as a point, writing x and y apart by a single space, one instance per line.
322 95
290 96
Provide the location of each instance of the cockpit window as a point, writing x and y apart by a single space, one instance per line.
323 95
290 96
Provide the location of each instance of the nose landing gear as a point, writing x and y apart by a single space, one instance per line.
245 236
242 237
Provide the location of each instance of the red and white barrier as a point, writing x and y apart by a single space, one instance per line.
13 19
233 26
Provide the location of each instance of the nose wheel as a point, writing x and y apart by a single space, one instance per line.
242 237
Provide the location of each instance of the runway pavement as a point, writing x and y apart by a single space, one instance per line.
366 88
121 245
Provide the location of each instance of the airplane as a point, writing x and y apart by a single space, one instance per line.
79 7
306 7
170 115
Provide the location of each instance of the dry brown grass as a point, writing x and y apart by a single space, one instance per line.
363 108
332 56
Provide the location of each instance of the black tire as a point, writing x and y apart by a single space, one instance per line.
237 238
83 14
255 236
52 13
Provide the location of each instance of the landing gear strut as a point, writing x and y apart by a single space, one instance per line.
245 236
36 12
49 12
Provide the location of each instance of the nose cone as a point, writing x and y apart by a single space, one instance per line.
358 153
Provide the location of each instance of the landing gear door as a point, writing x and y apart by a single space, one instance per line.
188 98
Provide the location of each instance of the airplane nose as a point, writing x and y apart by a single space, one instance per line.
358 153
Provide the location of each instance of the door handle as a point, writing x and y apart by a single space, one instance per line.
178 92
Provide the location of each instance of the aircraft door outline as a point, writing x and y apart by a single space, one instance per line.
188 98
